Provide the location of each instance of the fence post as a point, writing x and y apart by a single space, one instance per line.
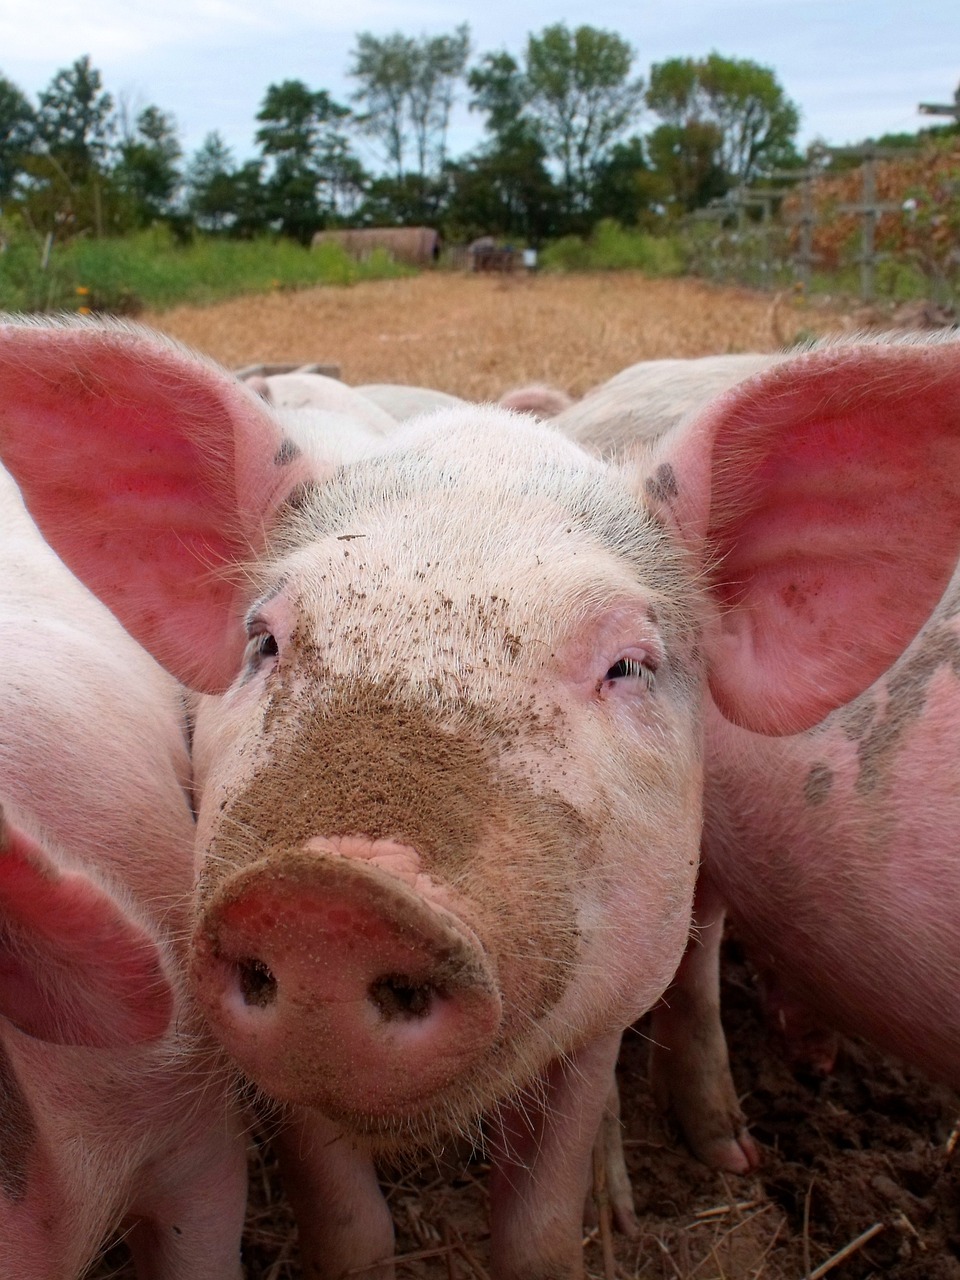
869 209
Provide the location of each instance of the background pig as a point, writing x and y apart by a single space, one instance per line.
646 399
114 1110
536 398
450 785
833 849
403 402
328 395
835 852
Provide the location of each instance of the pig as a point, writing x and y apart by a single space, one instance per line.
116 1109
646 399
448 764
537 398
830 850
403 403
834 853
315 391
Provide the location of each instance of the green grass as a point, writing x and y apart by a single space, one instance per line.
611 247
150 270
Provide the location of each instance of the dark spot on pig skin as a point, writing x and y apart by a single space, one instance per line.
18 1132
287 453
855 720
662 485
906 689
818 784
297 500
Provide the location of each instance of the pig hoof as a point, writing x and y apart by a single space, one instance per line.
736 1154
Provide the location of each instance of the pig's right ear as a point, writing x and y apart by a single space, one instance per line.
155 477
822 501
74 967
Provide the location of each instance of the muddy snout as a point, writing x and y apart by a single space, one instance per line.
333 982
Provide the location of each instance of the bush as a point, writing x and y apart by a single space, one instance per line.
611 247
151 269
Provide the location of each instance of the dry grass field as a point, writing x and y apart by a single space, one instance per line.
477 336
859 1180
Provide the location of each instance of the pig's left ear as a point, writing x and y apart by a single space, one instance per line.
75 967
154 475
824 496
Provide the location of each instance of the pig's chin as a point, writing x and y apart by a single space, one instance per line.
455 1113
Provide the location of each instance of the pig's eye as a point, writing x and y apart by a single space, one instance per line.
625 669
261 648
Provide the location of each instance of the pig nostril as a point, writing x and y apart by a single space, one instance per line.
257 983
397 996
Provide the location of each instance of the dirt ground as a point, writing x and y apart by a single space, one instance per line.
477 336
862 1162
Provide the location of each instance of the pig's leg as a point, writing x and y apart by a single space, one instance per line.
689 1064
342 1218
808 1044
609 1158
190 1219
542 1147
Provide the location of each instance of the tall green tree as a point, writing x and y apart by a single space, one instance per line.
439 66
581 94
406 90
222 197
148 166
68 188
755 123
687 160
301 134
505 188
17 132
76 122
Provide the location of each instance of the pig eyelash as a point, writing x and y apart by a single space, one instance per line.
261 648
631 668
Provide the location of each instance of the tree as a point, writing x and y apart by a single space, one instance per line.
17 131
76 122
148 167
625 187
580 93
755 123
407 90
221 197
385 70
313 165
686 158
505 188
67 185
439 64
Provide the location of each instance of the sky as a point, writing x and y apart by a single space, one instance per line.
855 68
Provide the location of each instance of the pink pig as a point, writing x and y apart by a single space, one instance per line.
450 784
835 850
115 1109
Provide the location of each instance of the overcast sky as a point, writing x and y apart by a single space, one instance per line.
854 67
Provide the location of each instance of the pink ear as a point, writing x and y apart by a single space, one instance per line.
153 475
74 968
828 494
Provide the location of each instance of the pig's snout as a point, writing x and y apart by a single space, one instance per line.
334 981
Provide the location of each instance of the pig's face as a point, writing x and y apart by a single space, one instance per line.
450 806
